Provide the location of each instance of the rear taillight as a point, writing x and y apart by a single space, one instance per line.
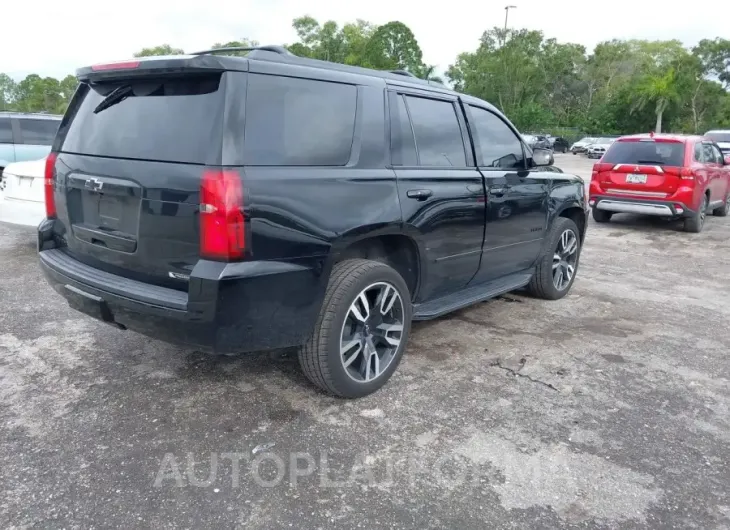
222 225
598 169
125 65
687 173
48 178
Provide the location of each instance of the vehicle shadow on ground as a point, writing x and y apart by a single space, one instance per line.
643 223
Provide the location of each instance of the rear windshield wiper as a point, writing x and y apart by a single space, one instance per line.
115 96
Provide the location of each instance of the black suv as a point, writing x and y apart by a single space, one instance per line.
234 204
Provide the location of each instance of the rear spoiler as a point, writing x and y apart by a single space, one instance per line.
160 65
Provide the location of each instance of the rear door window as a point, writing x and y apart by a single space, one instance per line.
439 142
718 155
38 132
6 131
646 153
298 122
173 119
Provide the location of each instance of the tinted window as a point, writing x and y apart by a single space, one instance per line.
499 146
718 155
438 135
709 154
170 119
298 122
6 131
402 144
38 132
653 153
698 154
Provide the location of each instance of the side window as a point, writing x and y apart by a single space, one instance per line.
699 155
402 143
709 154
499 145
298 122
6 131
38 132
438 135
718 155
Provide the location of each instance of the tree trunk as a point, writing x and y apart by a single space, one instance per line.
660 108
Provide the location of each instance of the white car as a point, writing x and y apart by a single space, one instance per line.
23 200
581 145
722 139
598 149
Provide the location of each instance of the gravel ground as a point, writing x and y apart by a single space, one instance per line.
607 409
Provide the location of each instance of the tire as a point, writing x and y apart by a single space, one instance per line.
723 210
321 358
695 223
543 282
601 216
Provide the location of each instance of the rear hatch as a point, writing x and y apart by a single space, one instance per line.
131 153
642 167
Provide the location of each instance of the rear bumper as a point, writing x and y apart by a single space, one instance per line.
641 206
27 213
229 307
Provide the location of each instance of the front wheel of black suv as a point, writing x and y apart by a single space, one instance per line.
556 268
362 329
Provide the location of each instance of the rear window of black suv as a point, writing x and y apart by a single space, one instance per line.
167 119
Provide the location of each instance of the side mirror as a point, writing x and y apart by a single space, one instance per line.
542 157
727 160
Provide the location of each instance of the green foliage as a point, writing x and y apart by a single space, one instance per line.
541 84
164 49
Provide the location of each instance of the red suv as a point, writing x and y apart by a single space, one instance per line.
663 175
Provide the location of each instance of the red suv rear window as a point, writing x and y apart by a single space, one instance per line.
645 153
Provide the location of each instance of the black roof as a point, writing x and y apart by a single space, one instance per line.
209 59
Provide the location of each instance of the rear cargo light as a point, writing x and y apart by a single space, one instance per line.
222 225
126 65
48 185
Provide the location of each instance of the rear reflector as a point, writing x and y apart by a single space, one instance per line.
48 177
222 225
128 65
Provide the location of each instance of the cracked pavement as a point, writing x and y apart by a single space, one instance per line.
607 409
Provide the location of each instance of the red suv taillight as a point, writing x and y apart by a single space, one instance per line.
48 185
222 225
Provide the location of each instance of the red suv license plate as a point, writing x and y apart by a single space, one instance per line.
635 179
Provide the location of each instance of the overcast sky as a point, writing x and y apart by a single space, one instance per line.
53 38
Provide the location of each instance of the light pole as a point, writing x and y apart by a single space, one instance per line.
506 16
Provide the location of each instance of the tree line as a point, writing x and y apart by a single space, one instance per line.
622 86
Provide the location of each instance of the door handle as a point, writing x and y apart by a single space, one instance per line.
419 195
499 191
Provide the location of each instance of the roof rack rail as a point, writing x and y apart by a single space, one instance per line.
402 72
269 48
